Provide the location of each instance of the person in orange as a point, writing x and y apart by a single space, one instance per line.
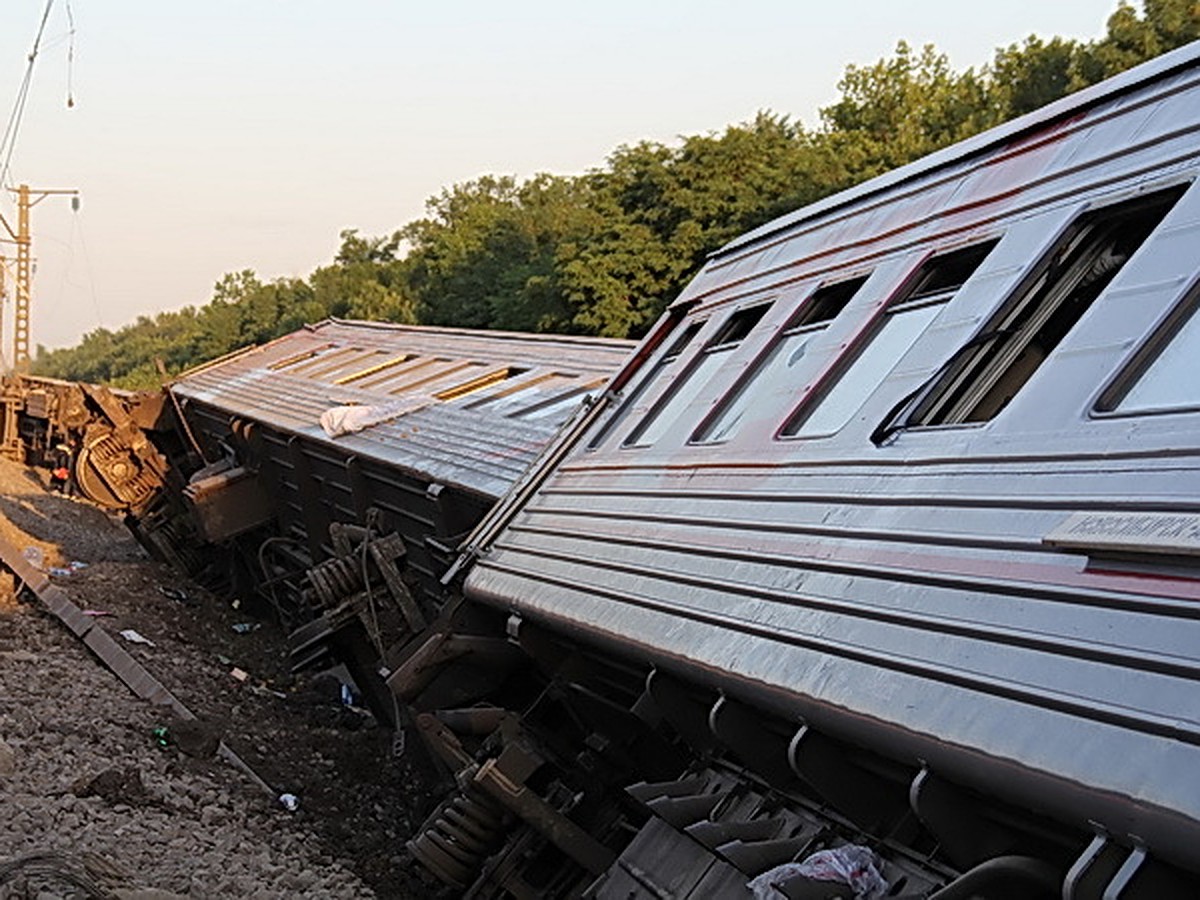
60 475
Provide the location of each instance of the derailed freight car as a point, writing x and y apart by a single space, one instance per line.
887 536
332 472
896 517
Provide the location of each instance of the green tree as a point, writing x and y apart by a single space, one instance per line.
1131 38
365 282
484 255
907 106
605 252
1026 77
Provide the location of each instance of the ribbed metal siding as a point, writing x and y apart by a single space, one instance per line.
901 596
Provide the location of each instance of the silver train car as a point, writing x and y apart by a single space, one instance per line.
890 530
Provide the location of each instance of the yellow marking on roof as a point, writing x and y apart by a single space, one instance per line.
371 370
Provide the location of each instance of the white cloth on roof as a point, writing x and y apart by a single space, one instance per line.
352 418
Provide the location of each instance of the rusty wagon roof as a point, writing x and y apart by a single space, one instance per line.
471 408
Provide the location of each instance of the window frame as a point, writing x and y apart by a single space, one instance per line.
905 299
668 353
1142 359
803 320
718 345
1023 312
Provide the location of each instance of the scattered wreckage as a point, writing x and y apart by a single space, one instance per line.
99 439
871 570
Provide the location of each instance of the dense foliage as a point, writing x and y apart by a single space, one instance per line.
603 253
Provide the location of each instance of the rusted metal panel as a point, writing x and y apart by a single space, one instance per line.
133 674
99 641
96 434
229 503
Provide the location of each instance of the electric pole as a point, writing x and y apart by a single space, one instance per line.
3 300
26 199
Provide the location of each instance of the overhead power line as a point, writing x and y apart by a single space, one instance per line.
9 142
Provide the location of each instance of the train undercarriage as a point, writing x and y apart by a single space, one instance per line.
570 769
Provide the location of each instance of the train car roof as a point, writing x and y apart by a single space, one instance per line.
992 139
471 408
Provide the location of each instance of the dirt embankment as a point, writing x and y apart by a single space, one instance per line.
84 780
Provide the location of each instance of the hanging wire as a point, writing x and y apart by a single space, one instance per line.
9 142
89 272
70 56
9 277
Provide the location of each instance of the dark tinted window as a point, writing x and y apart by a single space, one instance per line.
1012 346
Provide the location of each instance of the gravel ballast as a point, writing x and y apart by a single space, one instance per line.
88 792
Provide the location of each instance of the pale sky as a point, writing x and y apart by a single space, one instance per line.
212 137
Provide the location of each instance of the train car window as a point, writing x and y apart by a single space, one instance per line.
320 360
516 391
665 365
907 316
428 380
774 369
676 349
392 375
997 362
663 417
1162 376
335 373
295 358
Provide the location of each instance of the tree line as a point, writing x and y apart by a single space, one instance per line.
603 253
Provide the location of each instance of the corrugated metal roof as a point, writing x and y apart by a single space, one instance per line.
471 408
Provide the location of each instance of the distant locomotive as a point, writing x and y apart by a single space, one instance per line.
888 535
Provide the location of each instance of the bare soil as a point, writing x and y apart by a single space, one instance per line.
85 782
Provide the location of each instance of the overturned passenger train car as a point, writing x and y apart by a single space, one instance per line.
886 536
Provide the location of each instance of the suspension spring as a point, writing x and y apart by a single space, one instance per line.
460 835
336 579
